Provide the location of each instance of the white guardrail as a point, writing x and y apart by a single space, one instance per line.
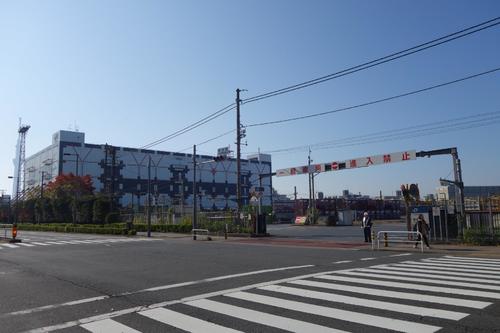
200 232
398 237
4 230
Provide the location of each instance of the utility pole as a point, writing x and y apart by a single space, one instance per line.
309 210
238 154
41 186
149 196
194 190
295 200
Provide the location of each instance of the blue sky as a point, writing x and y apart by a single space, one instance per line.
129 72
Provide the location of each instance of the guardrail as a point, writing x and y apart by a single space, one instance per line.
398 237
194 232
4 229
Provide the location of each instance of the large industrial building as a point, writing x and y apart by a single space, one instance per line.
123 172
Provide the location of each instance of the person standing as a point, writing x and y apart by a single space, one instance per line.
366 224
423 228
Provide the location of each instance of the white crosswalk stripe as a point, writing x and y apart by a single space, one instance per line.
474 259
337 298
482 269
284 323
416 310
184 322
434 276
431 281
462 262
423 266
72 242
108 326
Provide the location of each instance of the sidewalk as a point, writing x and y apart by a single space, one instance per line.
449 249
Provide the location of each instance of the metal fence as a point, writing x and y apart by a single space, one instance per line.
483 221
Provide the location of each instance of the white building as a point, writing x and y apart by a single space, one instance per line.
123 172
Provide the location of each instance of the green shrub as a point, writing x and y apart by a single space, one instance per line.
481 237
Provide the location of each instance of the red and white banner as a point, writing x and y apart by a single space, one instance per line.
354 163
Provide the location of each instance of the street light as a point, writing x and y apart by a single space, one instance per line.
77 158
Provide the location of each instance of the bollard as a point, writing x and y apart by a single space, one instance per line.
194 234
225 231
14 231
386 243
373 236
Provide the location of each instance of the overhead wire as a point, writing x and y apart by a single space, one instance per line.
483 119
375 101
379 61
192 126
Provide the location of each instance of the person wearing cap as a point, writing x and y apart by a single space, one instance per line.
366 224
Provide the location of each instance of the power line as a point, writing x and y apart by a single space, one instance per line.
208 140
447 125
391 57
375 101
194 125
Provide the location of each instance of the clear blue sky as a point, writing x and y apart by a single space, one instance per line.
129 72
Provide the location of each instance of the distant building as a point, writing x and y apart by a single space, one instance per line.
123 172
449 192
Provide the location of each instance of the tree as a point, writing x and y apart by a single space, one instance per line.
65 193
411 194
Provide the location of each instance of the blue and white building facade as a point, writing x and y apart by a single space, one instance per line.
124 172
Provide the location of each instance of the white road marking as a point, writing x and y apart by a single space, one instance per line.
54 306
463 262
356 317
429 263
396 307
366 259
171 286
108 326
466 292
342 262
424 265
42 244
432 281
224 277
56 243
392 267
284 323
166 303
475 258
435 276
184 322
401 255
12 246
26 244
394 294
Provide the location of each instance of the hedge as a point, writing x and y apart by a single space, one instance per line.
111 229
181 228
481 237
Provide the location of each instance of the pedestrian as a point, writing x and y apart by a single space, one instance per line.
422 227
366 224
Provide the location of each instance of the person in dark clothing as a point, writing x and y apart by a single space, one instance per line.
423 228
366 224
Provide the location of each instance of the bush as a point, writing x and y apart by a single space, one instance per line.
481 237
110 229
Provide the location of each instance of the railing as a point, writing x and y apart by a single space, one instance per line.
196 232
4 229
398 237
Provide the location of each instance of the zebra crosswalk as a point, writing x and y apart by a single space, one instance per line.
7 246
420 296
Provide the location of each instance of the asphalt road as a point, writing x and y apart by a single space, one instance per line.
82 283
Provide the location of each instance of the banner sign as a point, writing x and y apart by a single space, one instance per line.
354 163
